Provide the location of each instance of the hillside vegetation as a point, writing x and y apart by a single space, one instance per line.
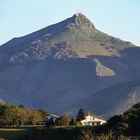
127 123
16 116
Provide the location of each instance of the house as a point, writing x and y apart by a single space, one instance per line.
50 117
91 119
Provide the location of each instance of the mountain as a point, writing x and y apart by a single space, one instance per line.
69 65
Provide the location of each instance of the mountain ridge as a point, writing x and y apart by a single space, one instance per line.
77 32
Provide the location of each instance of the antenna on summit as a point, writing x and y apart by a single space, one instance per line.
77 12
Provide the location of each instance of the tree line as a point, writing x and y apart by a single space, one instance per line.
11 115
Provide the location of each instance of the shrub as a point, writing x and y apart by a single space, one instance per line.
88 135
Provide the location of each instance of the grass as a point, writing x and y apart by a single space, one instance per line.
53 133
16 133
135 138
12 133
71 127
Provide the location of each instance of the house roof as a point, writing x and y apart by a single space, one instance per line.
54 116
95 116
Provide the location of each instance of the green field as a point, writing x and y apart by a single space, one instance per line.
40 133
16 133
12 133
29 133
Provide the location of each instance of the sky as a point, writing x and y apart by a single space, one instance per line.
119 18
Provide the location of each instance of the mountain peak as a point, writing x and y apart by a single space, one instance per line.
82 20
71 38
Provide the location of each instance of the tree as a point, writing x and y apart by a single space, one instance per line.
21 106
19 115
114 120
2 109
10 116
43 112
127 123
34 117
81 115
63 120
23 116
72 121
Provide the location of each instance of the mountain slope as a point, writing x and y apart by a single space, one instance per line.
114 100
61 66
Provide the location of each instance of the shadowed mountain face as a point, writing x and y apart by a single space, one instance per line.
69 65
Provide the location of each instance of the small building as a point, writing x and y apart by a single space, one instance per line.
91 119
50 117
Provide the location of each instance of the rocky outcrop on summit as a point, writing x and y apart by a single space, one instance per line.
81 20
62 66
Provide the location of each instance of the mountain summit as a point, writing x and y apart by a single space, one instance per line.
70 65
81 20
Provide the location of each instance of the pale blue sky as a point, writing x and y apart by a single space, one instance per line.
120 18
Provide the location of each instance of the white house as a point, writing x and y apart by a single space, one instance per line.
92 120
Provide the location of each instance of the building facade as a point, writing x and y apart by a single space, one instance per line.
92 120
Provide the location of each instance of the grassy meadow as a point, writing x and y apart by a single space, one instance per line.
15 133
54 133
